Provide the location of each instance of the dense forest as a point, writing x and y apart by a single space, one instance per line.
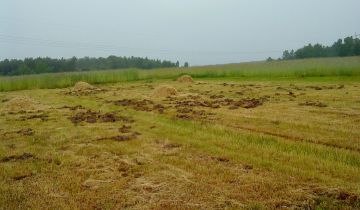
51 65
348 47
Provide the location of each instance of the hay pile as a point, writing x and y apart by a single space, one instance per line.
23 104
83 88
185 79
164 91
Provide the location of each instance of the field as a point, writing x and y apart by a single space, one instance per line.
268 135
347 68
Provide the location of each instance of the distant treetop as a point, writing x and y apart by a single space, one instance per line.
51 65
348 47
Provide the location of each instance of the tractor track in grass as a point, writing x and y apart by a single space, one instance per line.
293 138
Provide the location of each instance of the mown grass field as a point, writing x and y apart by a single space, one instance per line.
296 147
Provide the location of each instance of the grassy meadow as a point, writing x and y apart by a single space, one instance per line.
264 135
347 68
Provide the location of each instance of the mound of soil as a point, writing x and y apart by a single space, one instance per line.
185 79
23 104
164 91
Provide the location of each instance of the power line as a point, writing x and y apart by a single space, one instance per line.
107 47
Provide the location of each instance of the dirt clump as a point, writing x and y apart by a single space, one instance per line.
251 103
185 79
164 91
138 105
121 138
189 114
42 117
159 107
24 156
108 117
338 194
90 116
292 94
197 103
326 87
184 116
26 132
141 105
247 103
248 167
23 176
341 87
312 103
73 108
171 146
216 96
315 87
184 110
125 129
132 136
221 159
23 104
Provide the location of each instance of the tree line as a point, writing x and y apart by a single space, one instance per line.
53 65
348 47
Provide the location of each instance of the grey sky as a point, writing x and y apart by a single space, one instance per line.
198 31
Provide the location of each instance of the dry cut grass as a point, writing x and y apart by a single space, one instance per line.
215 145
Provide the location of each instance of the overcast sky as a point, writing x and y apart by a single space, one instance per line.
198 31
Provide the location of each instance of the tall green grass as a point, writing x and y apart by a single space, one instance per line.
323 67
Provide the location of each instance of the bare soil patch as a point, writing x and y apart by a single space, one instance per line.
22 176
325 87
248 103
23 156
312 103
90 116
128 137
26 132
73 108
41 116
125 129
141 105
23 132
340 196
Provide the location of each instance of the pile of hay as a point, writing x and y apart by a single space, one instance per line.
83 88
185 79
23 104
164 91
